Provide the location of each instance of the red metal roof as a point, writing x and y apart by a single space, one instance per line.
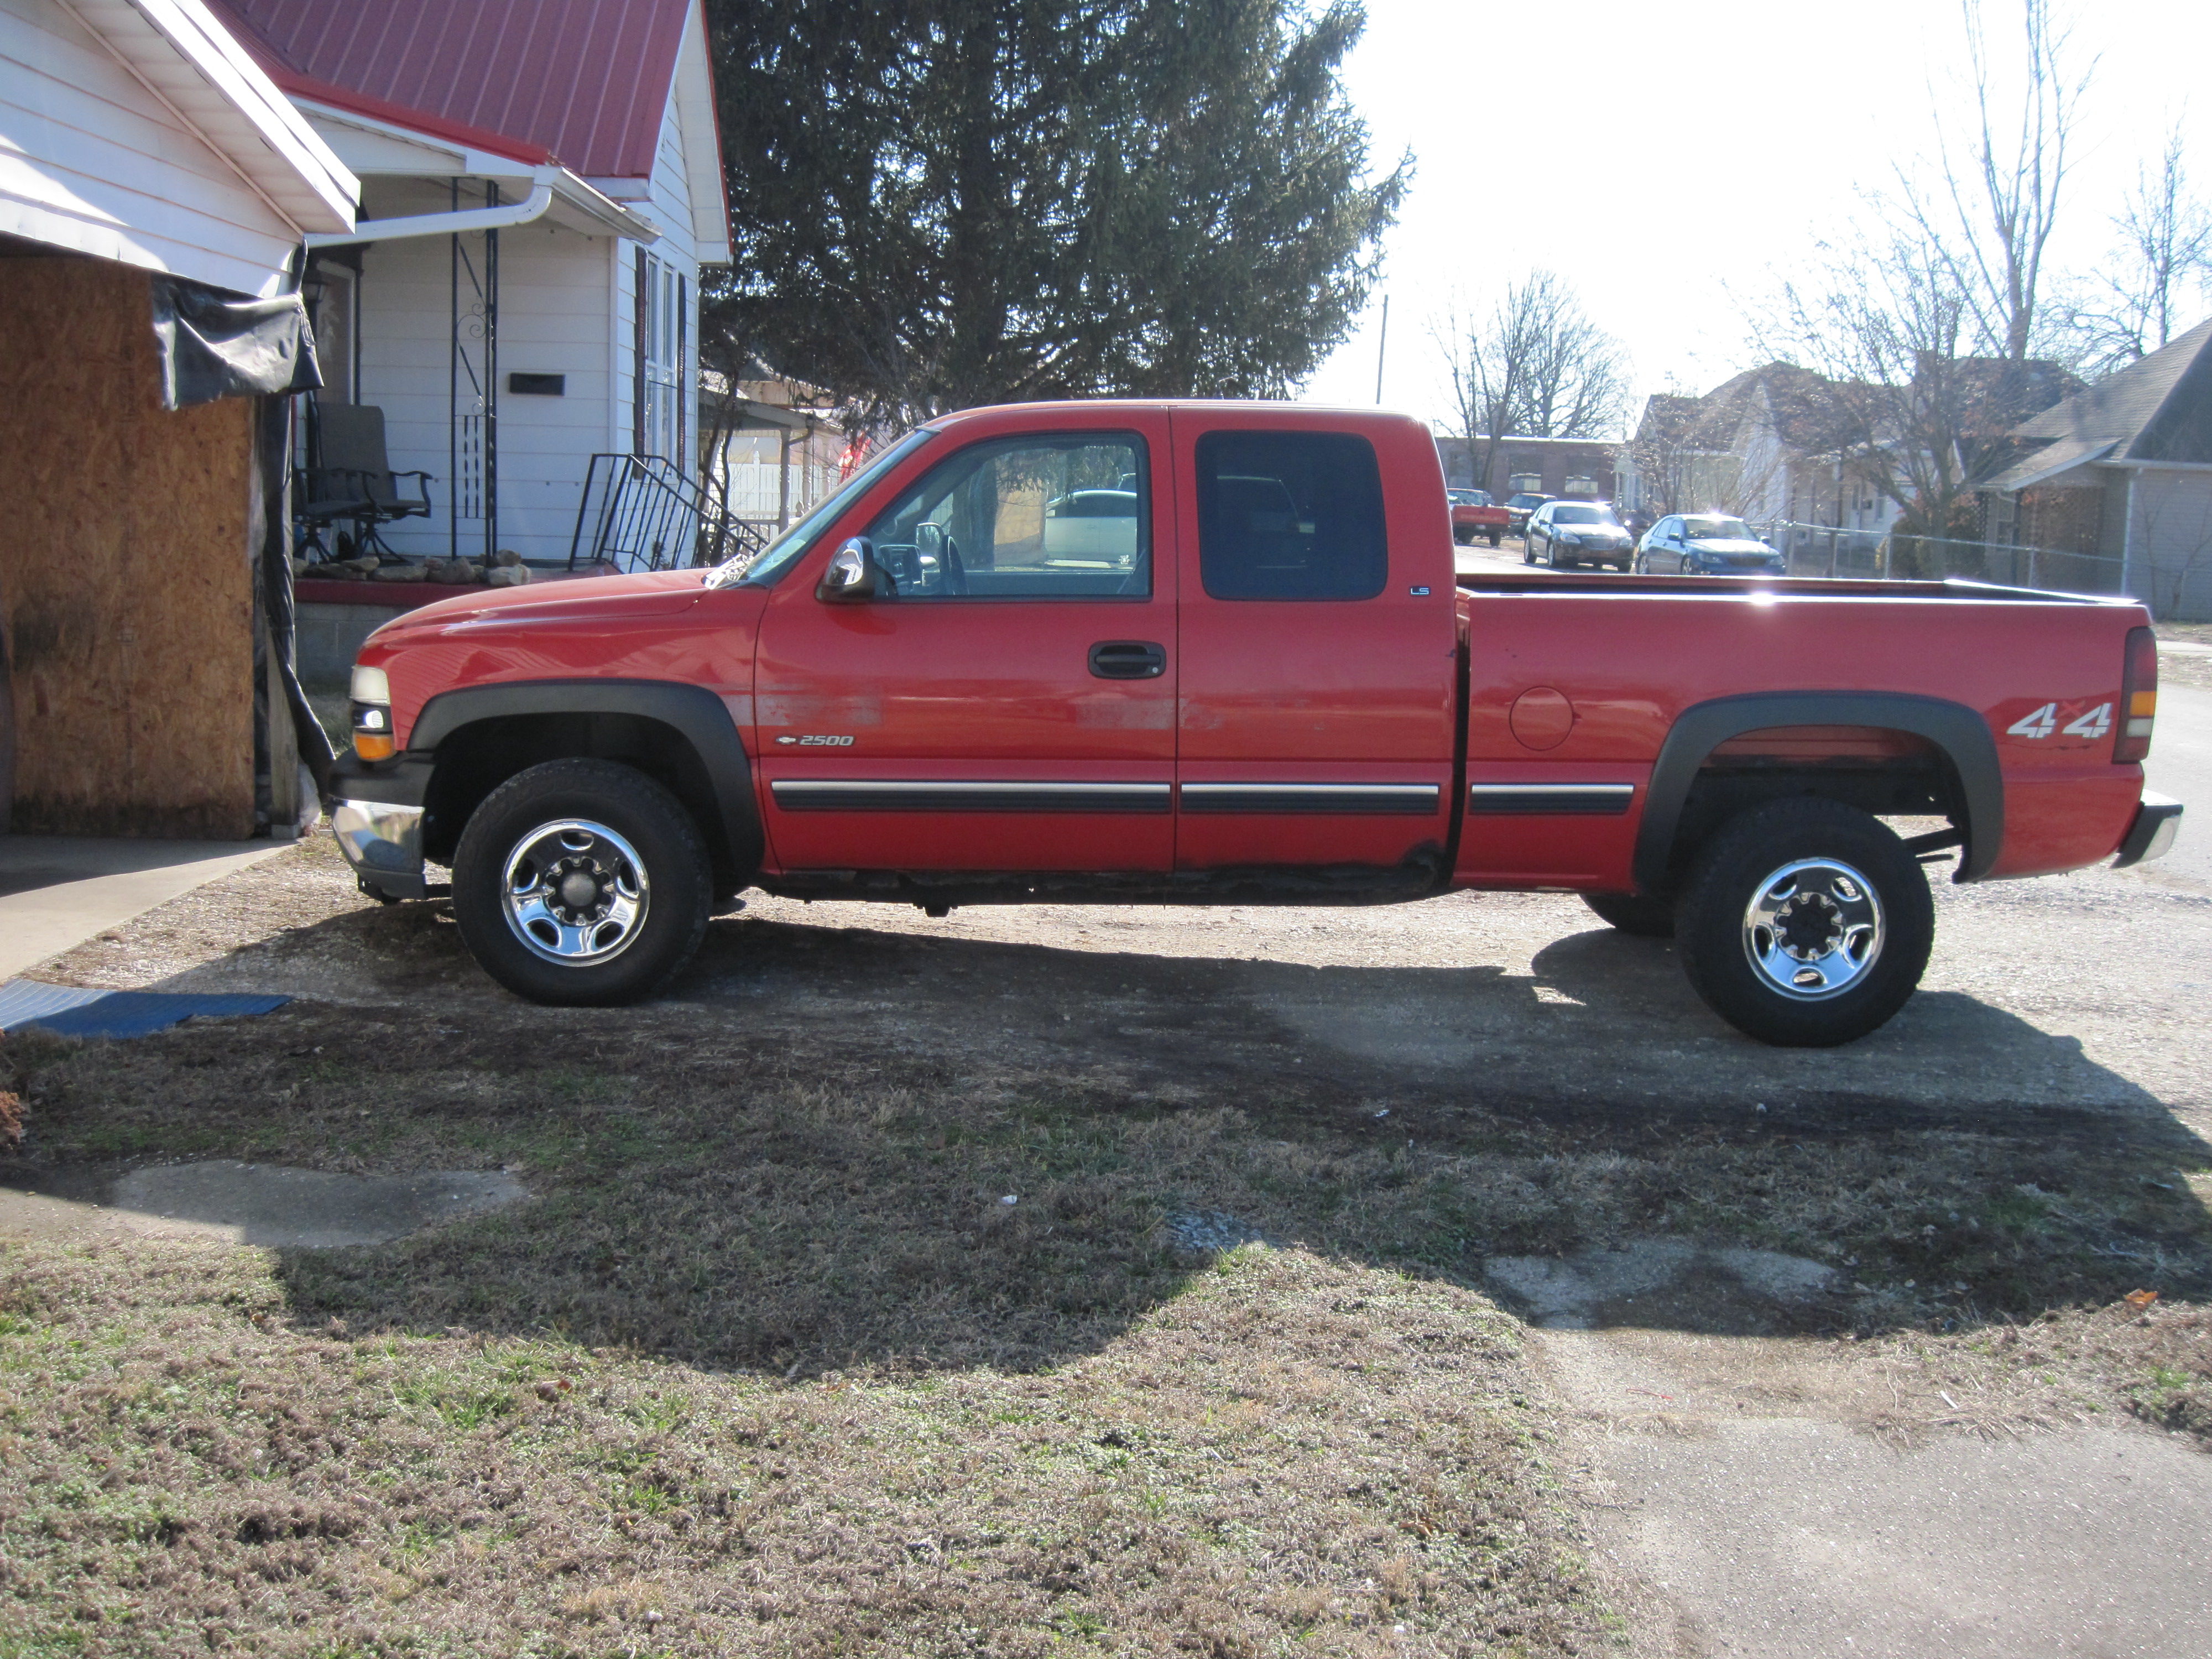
582 81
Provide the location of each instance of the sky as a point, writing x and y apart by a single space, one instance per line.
1673 159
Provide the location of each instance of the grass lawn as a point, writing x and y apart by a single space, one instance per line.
767 1366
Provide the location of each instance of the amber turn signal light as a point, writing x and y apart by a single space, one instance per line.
2138 696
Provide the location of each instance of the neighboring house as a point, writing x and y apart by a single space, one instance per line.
1760 445
769 449
542 184
148 162
1580 467
2123 471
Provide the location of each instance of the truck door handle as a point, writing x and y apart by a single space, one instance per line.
1128 659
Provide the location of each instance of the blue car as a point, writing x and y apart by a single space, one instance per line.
1706 544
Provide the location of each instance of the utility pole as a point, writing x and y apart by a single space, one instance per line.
1381 345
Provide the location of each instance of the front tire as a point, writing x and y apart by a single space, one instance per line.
1805 923
581 884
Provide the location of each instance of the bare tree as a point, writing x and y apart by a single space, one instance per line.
1667 451
1989 217
1900 401
2164 252
1535 367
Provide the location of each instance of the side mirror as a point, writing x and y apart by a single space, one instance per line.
854 577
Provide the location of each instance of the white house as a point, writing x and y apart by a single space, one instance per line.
541 184
147 166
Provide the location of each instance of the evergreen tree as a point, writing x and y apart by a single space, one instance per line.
976 201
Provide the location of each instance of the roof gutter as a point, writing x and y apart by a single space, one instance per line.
440 224
2135 466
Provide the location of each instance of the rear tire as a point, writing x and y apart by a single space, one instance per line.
1497 536
1634 912
1805 923
581 884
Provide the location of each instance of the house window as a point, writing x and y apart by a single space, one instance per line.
662 331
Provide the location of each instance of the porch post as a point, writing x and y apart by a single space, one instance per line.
491 383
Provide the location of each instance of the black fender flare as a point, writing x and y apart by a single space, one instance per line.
1960 732
695 714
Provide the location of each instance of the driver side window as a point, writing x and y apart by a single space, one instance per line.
1062 517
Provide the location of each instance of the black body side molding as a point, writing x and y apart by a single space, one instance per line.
1959 731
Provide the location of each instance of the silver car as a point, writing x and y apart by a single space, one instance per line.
1577 532
1706 544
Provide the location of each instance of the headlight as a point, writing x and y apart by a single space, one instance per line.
371 698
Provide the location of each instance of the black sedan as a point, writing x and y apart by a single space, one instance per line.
1577 532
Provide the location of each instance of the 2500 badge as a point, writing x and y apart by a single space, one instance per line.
819 740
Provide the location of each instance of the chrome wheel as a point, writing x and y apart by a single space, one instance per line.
1813 929
574 892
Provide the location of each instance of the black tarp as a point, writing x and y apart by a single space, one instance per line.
277 634
215 344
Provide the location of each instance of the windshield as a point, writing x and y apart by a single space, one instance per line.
1584 515
789 548
1717 530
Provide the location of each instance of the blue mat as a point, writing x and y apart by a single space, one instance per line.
70 1011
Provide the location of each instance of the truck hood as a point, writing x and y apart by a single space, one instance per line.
651 594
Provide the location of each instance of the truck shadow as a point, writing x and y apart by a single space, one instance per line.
800 1159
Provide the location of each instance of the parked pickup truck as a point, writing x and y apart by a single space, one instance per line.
1472 515
1249 678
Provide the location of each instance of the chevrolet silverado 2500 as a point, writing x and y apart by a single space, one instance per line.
1214 652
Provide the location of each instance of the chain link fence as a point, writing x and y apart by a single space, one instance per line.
1817 550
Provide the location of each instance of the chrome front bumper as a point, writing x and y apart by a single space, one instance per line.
383 841
2158 821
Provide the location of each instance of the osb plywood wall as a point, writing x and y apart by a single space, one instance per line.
126 586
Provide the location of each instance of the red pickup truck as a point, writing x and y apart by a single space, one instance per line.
1473 515
1213 653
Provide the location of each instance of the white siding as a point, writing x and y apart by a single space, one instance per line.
553 318
91 161
668 204
2170 566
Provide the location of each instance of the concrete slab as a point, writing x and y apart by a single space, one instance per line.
1772 1531
265 1204
1651 1282
57 891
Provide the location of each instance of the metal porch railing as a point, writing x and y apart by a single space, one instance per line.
638 512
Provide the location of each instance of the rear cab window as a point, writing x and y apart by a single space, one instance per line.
1289 515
